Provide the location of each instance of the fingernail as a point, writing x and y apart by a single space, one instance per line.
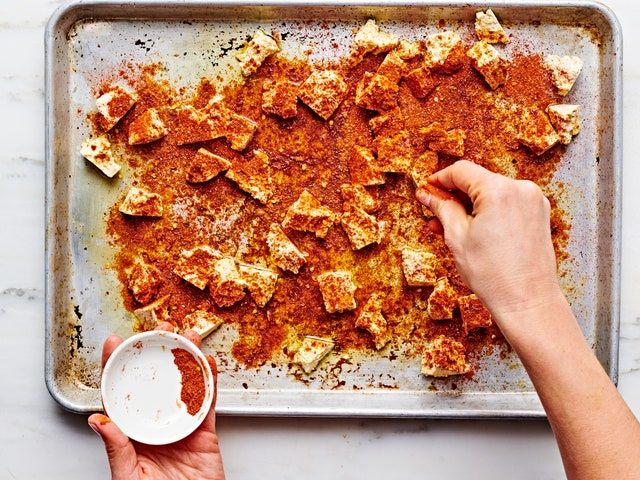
424 197
95 429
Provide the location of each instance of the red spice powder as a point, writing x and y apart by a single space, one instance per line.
193 387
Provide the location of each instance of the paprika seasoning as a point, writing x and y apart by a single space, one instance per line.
193 386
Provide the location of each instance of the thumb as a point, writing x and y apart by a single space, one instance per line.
446 207
120 450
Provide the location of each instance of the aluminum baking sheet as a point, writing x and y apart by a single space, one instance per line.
87 40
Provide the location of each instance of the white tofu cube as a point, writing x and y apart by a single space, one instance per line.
307 214
256 52
419 267
370 39
488 28
114 104
148 317
536 132
356 196
206 166
370 318
202 322
444 52
566 120
489 63
338 291
362 228
283 252
363 168
98 151
147 128
141 203
564 71
196 265
443 357
473 313
253 176
311 352
261 282
323 91
226 285
442 300
143 280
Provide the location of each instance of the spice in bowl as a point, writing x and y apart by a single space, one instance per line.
193 386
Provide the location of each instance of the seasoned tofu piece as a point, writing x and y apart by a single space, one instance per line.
449 142
442 300
192 125
361 228
280 98
240 131
261 282
492 66
307 214
323 91
370 39
141 203
393 67
376 92
474 314
564 71
206 166
256 52
395 153
312 350
444 52
149 316
443 357
355 196
566 121
143 280
147 128
98 151
113 105
388 123
362 167
422 82
202 322
423 167
226 285
488 28
370 318
408 50
254 176
283 252
338 291
536 132
196 265
419 267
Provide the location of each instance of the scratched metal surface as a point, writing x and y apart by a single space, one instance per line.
88 40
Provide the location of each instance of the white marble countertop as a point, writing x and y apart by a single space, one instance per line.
39 440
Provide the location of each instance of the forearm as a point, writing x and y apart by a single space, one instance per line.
597 434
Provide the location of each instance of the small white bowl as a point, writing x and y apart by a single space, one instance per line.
141 388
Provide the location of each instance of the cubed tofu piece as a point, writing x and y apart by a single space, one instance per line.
98 151
206 166
419 267
141 203
149 316
444 52
442 300
422 82
488 28
443 357
254 176
240 130
323 91
564 71
363 167
146 128
361 228
261 282
283 251
449 142
409 50
388 123
423 167
474 314
261 47
489 63
370 39
536 132
202 322
370 318
226 285
280 98
193 125
566 121
355 196
196 265
113 105
376 92
338 291
395 153
312 350
307 214
143 280
393 67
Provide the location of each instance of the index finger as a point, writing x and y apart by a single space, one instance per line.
109 345
463 175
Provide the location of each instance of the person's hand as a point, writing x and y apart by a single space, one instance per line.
196 457
503 248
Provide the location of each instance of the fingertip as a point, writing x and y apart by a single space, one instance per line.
109 345
165 327
193 336
424 197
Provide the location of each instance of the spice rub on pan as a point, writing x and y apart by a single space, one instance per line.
283 204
